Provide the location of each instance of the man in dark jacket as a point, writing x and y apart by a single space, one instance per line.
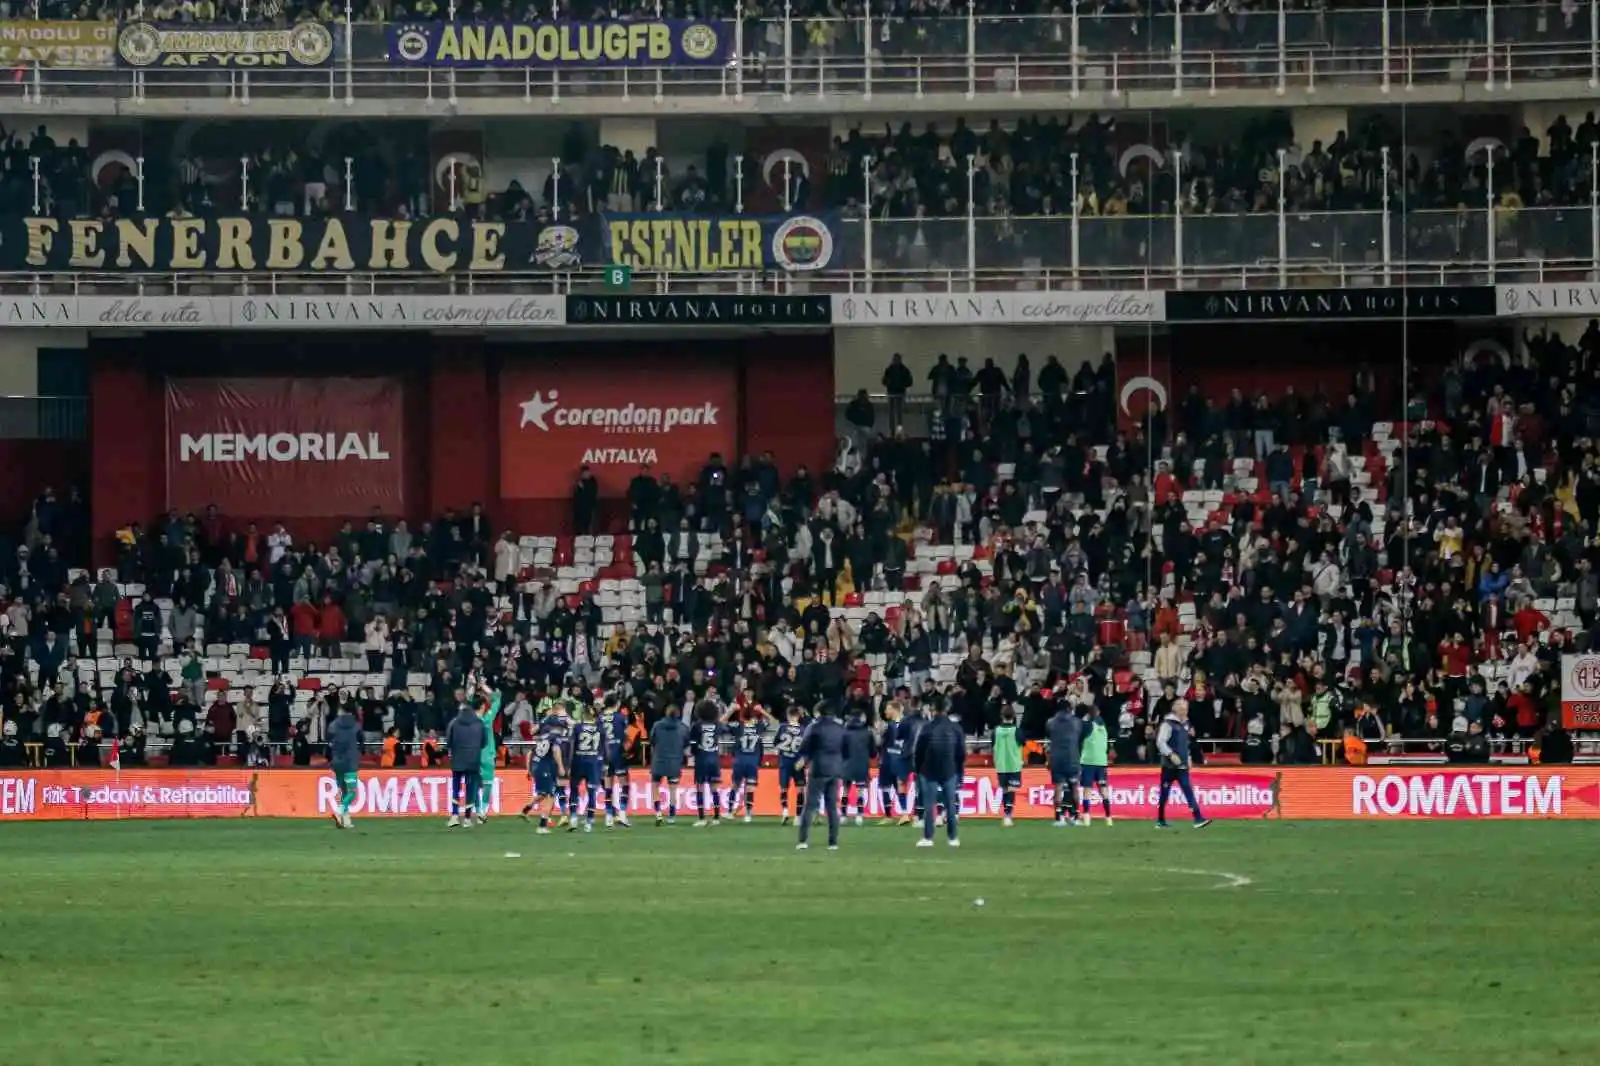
940 758
822 761
344 757
465 738
1065 732
669 738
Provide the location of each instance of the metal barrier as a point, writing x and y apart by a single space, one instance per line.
1075 53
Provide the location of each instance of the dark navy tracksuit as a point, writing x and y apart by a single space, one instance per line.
823 751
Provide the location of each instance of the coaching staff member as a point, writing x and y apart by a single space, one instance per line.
1172 741
940 758
466 739
822 760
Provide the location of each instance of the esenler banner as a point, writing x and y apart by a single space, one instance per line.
1226 793
614 413
269 446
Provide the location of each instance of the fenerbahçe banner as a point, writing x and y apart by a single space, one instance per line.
558 414
441 244
636 43
1243 792
263 447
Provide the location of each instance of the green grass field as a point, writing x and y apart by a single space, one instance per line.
276 942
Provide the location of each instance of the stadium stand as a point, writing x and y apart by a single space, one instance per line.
1251 556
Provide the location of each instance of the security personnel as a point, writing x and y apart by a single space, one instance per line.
822 759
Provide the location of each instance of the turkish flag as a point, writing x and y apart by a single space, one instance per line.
776 154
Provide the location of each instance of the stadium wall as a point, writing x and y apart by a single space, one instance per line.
1482 792
128 419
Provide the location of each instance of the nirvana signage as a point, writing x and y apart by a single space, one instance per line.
999 308
1576 300
317 447
1322 305
485 313
717 310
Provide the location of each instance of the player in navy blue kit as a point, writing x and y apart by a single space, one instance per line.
587 756
892 770
790 734
614 736
749 744
546 768
705 742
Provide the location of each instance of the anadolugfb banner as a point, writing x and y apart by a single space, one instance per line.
1231 793
615 413
269 447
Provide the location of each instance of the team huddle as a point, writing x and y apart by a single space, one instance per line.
578 768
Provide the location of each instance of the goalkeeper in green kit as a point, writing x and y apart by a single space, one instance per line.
488 707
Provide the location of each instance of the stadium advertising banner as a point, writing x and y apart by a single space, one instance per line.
313 447
1089 308
715 309
1580 692
314 313
1236 793
183 44
1552 300
564 45
1333 304
613 414
25 42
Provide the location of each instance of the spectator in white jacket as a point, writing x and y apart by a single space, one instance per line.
505 558
376 643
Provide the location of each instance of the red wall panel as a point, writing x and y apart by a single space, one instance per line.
28 466
460 427
125 446
788 399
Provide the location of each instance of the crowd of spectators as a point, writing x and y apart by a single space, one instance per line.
919 185
1424 611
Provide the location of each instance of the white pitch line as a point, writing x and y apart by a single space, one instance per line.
1228 880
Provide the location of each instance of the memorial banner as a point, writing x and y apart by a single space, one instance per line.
49 43
642 43
1485 792
182 44
319 447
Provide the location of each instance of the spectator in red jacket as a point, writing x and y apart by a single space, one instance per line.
331 626
1529 622
306 621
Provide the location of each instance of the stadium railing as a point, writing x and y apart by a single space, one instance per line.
1073 52
1276 249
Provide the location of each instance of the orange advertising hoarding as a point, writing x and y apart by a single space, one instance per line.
1235 792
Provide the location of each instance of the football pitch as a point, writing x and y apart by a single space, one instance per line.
261 942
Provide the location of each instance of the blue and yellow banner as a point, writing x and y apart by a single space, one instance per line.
712 243
188 44
642 43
